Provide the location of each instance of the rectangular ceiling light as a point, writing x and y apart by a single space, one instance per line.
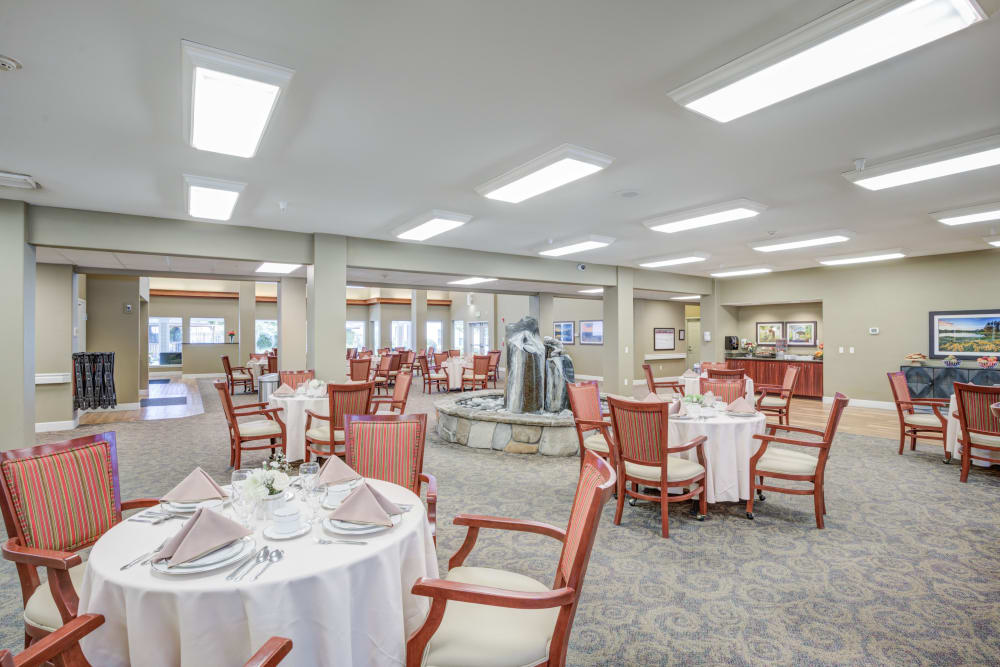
862 259
847 40
471 281
970 214
705 216
229 99
276 267
593 290
688 297
354 287
560 166
211 198
431 224
20 181
581 245
672 261
993 241
967 156
741 272
801 243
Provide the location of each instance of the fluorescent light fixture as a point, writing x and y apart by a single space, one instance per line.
705 216
229 99
879 256
688 297
584 244
847 40
276 267
741 272
967 156
993 241
801 242
559 166
20 181
471 281
431 224
211 198
593 290
970 214
355 287
655 263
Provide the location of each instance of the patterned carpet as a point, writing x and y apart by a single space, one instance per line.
907 570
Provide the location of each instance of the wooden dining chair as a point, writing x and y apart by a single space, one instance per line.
258 355
391 448
294 378
400 394
406 362
980 425
237 375
724 390
440 358
585 403
477 376
380 376
432 377
382 351
675 386
641 456
58 499
713 365
454 353
327 436
360 368
777 400
271 653
479 612
272 363
395 360
912 424
365 354
493 374
271 428
792 465
726 374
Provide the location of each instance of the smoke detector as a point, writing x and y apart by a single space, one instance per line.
8 64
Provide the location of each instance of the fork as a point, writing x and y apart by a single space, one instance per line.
146 556
323 540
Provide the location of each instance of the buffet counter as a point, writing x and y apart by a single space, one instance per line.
765 370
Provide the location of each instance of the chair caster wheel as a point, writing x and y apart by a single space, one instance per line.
699 517
761 497
631 502
750 515
946 461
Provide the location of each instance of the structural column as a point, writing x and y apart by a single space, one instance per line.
619 339
716 321
540 307
327 281
418 319
248 320
17 303
292 324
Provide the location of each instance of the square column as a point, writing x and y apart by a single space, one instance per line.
540 307
619 338
418 319
716 321
245 330
17 303
291 324
327 290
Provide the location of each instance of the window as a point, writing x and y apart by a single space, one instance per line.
479 334
401 333
166 334
265 335
355 334
435 335
207 330
458 335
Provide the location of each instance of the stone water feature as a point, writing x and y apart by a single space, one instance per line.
531 415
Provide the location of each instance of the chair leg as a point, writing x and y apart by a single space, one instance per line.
620 507
753 490
966 464
913 442
818 503
664 514
902 440
702 503
239 455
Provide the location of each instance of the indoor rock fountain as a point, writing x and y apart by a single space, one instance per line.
531 414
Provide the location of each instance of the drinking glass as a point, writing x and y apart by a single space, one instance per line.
308 473
244 505
314 501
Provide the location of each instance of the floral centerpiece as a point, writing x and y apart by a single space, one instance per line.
232 335
751 347
818 354
987 362
694 398
951 361
269 482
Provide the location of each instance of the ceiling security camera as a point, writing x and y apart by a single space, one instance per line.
581 267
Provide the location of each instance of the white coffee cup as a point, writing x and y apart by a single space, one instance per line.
286 519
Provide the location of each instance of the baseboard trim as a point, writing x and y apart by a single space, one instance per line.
192 376
165 374
865 403
65 425
121 407
599 378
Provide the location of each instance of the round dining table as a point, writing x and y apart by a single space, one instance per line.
256 368
692 385
293 413
340 604
728 448
456 367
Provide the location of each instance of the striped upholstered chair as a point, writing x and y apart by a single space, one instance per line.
294 378
326 436
642 457
253 435
58 499
400 394
482 615
724 390
391 448
980 425
592 430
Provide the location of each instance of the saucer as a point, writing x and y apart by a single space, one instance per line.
272 534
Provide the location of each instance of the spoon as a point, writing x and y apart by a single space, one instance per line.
261 557
275 556
322 540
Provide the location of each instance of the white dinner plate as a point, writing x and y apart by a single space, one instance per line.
740 414
191 508
344 528
238 551
270 533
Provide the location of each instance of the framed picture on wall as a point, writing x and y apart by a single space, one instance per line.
968 334
801 333
663 339
591 332
564 332
769 332
680 334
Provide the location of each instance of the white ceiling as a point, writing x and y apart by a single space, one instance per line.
135 262
398 107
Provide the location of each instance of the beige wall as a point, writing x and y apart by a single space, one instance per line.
54 340
748 316
202 358
111 329
143 345
587 359
650 314
187 307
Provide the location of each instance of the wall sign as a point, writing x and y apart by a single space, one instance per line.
663 339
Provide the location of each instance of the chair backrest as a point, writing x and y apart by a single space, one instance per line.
790 380
382 351
60 647
726 373
481 364
494 359
640 429
294 378
226 366
424 366
584 400
454 353
401 392
724 390
272 363
227 404
387 447
349 399
840 402
360 369
974 411
410 356
384 362
440 357
365 354
900 391
394 361
650 382
717 365
62 496
258 355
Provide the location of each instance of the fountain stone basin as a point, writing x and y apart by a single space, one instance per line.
516 433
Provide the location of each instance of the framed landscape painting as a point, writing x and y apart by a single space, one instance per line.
591 332
769 332
801 333
966 334
564 332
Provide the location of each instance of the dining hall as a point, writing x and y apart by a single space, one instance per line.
457 334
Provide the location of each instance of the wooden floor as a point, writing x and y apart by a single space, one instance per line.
813 413
175 388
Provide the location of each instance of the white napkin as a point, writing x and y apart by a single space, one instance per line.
204 532
316 389
655 398
740 405
708 399
197 486
689 374
283 390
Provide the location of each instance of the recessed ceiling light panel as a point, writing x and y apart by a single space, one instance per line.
879 256
686 297
471 281
969 214
20 181
277 267
592 290
795 243
967 156
583 244
993 241
741 272
675 260
211 198
560 166
431 224
705 216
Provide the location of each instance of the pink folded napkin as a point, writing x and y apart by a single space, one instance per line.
335 471
204 532
689 374
675 408
283 390
741 405
196 487
362 507
386 504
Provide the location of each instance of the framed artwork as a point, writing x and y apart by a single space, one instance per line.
680 334
967 334
801 333
663 339
564 332
591 332
769 332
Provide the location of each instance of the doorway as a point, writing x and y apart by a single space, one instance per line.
479 337
693 339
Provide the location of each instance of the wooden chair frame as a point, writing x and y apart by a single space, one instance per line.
653 385
493 374
336 421
720 387
60 648
480 369
294 378
783 412
426 372
826 436
360 369
697 482
904 406
231 381
271 653
726 374
237 439
381 371
27 559
577 392
400 394
967 427
395 361
272 363
565 592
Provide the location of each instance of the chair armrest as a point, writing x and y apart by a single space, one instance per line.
590 424
56 560
62 640
271 653
432 500
789 441
797 429
495 597
928 401
325 418
247 406
475 522
239 368
774 388
690 444
140 502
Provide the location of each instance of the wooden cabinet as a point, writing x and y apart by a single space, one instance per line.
768 371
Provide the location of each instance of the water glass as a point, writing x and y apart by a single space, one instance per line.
314 500
244 504
308 473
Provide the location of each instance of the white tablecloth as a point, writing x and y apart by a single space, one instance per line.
256 367
294 415
455 366
951 437
339 604
728 449
693 385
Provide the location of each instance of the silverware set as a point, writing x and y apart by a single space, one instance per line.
324 541
155 516
145 558
249 564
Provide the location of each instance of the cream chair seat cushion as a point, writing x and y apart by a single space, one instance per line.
787 461
41 610
596 443
677 469
322 432
922 419
984 439
773 402
478 635
260 427
438 376
381 378
240 375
